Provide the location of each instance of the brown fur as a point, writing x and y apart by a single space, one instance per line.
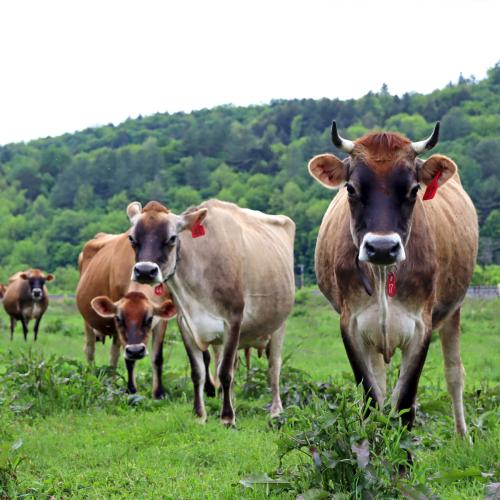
18 302
433 280
106 266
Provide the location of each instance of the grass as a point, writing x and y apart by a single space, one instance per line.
71 431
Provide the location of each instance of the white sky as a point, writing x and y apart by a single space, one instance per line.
66 65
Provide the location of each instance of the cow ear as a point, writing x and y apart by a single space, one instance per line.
133 210
187 221
50 277
2 290
165 310
328 170
437 163
24 276
103 306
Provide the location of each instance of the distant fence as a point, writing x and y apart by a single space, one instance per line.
483 292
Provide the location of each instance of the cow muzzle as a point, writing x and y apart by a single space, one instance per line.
382 249
134 352
37 293
147 272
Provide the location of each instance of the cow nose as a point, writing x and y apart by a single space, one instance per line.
382 250
36 293
135 351
146 272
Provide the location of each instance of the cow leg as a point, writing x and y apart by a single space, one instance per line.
13 322
274 369
114 352
248 361
377 365
209 383
362 374
90 339
226 371
157 359
198 373
453 368
24 322
131 386
37 326
412 363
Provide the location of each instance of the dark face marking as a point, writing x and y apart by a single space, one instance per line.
381 202
36 285
154 240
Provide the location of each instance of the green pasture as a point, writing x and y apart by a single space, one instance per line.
69 431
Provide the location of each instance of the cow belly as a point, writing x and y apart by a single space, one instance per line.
400 327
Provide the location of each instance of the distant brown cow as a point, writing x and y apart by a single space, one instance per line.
26 298
396 265
113 306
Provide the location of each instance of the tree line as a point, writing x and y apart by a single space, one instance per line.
58 192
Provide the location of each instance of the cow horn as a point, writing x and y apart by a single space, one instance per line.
429 143
342 144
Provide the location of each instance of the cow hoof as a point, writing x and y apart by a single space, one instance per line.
200 420
276 411
228 422
157 395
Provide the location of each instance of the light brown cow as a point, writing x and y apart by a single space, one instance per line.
395 265
26 298
112 305
231 279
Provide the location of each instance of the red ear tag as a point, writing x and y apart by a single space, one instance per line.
432 187
197 230
391 284
159 289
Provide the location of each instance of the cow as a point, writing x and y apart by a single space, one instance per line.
26 298
230 273
111 305
395 264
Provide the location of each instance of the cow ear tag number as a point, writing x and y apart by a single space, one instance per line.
197 230
391 284
432 188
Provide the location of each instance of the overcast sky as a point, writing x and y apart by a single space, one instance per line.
67 65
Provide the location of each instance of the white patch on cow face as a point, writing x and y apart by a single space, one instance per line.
147 272
384 249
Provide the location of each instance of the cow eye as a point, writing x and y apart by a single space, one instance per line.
414 191
148 321
132 241
172 240
119 320
350 190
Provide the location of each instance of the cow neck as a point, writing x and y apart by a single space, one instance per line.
177 259
383 306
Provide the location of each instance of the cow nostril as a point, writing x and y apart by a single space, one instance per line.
369 248
394 249
153 272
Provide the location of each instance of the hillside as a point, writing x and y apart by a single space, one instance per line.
57 192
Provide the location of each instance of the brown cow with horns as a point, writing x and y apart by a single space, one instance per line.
394 264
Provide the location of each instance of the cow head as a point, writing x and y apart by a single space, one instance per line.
133 317
154 236
36 280
2 290
382 176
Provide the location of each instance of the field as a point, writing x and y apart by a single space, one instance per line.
72 431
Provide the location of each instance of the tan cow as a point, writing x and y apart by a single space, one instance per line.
26 298
396 265
231 279
112 305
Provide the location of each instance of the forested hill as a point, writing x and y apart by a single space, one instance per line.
58 192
